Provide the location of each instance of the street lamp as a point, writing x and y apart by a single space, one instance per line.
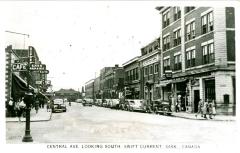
28 100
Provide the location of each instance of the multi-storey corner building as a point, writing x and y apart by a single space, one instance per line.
132 78
111 82
149 63
16 73
198 56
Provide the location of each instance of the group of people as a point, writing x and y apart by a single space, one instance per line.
207 107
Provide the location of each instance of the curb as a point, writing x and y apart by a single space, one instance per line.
40 120
202 119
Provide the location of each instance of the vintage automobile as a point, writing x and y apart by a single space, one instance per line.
104 103
87 102
161 107
114 103
59 106
136 105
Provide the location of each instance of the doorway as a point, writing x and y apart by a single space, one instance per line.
196 100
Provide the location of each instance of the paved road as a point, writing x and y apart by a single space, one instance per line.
96 124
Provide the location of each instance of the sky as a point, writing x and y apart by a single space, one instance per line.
76 39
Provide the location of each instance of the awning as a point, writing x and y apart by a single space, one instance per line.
178 80
19 87
164 83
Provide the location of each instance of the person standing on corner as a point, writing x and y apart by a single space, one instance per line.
204 109
200 108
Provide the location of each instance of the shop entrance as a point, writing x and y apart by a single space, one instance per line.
210 89
196 100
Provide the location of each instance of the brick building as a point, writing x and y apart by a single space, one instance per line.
198 53
132 78
89 89
149 62
111 82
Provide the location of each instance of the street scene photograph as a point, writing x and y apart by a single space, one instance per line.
119 72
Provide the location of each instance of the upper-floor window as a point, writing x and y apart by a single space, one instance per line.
207 23
166 43
166 64
177 13
150 49
156 68
190 58
208 53
178 62
136 71
190 32
151 70
126 75
156 46
188 9
146 71
166 19
177 37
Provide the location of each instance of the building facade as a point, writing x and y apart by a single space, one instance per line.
69 94
198 53
149 63
89 89
16 74
111 82
132 78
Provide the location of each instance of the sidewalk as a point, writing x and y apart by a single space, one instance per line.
193 117
42 115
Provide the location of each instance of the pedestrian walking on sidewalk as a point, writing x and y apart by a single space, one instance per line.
214 107
200 108
20 106
37 105
211 109
205 108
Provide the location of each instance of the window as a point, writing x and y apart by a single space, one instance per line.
177 37
166 64
126 76
188 9
178 62
191 58
208 53
151 70
146 71
136 73
150 50
190 33
177 13
207 23
166 43
166 19
156 68
156 46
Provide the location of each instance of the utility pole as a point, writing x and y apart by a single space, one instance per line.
18 33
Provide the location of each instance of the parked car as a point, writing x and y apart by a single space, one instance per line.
104 103
136 105
59 106
87 102
114 103
162 107
79 100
